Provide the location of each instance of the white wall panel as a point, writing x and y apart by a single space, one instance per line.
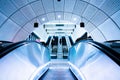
28 12
8 30
48 5
19 18
29 27
6 7
21 35
2 18
38 8
67 16
59 5
89 12
97 35
69 5
111 6
19 3
97 3
87 0
116 18
89 27
110 31
99 18
51 16
79 7
31 0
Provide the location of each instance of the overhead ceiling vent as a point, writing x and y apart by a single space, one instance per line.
59 24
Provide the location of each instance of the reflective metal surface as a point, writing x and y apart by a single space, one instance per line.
93 63
20 63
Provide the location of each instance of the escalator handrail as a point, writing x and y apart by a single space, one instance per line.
4 51
115 56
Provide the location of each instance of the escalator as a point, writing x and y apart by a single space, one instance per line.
95 60
58 74
18 61
58 71
90 58
85 59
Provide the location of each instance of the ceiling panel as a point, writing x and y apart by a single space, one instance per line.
48 5
21 35
116 18
110 31
29 27
19 18
9 29
87 0
75 19
97 3
89 27
97 36
43 19
69 5
59 5
51 16
59 15
83 20
19 3
2 18
99 18
28 12
65 21
38 8
89 12
111 6
80 6
6 7
67 16
31 0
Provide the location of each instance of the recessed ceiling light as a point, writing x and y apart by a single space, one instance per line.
43 19
74 19
59 16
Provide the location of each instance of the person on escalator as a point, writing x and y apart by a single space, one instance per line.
60 41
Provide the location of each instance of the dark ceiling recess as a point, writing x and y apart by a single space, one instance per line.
36 25
59 24
58 0
82 24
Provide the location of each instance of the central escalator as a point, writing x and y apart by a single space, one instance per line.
58 71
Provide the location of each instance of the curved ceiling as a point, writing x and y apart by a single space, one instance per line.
101 17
